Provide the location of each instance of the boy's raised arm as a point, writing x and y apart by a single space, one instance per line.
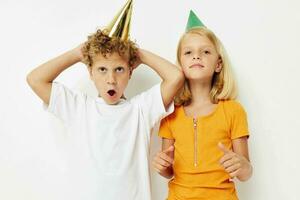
171 74
40 79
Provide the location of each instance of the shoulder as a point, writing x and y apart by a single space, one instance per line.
174 116
63 94
146 95
232 107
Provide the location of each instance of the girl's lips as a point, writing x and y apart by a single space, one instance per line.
111 92
196 65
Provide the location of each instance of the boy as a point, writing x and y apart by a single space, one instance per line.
109 135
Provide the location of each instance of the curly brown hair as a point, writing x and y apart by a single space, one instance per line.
101 43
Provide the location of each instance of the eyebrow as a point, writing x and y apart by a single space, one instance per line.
202 47
100 66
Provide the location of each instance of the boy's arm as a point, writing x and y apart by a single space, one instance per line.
171 74
40 79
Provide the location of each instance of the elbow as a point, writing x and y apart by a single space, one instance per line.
30 79
33 81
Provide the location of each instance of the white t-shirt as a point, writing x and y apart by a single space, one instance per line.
108 145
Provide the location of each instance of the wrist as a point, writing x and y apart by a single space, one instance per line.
77 53
143 55
74 56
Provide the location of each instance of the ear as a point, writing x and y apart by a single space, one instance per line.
219 66
90 72
130 72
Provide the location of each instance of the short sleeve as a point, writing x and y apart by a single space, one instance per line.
152 106
164 130
239 124
65 103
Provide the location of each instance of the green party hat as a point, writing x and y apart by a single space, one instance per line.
193 22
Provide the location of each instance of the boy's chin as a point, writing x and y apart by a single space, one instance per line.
113 101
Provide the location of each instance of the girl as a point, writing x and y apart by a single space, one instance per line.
204 142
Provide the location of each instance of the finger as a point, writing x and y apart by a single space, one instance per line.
226 157
167 158
158 167
234 160
168 150
156 159
235 173
233 168
163 163
228 163
223 148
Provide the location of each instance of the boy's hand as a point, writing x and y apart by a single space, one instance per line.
233 163
138 61
162 160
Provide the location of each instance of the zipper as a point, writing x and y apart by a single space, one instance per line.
195 142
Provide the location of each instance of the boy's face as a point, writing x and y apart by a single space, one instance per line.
111 76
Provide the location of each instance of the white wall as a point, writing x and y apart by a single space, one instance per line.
261 37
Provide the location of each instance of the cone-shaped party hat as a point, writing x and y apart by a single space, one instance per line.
120 25
193 22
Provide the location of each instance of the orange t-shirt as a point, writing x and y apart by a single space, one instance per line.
197 172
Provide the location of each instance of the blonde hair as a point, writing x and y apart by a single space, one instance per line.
223 83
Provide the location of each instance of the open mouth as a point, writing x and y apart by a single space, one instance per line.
111 92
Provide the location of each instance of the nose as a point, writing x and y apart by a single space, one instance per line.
196 57
111 79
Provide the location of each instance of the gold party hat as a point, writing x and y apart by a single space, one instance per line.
120 25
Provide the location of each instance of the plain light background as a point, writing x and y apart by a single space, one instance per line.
262 40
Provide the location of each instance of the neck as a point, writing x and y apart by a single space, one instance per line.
200 92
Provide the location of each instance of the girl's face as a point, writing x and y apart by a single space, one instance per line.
111 76
199 58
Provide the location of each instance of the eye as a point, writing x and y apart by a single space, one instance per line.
207 52
187 52
120 69
102 69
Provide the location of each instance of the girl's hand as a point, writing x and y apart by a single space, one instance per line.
235 164
162 160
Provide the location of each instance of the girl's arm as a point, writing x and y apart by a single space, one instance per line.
163 160
171 75
240 147
40 79
237 162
